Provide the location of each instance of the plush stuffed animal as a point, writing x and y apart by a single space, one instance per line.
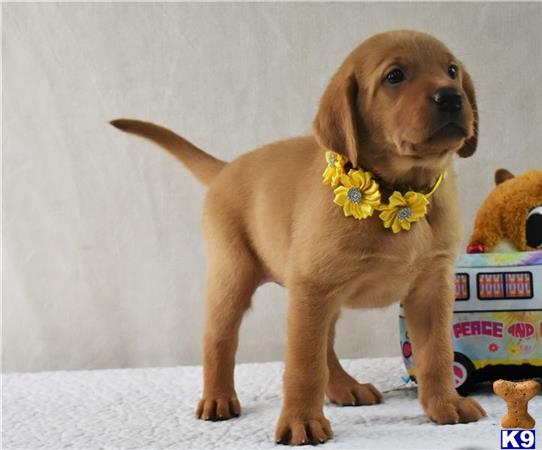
511 212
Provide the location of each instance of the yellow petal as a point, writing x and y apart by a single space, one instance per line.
415 216
341 196
387 214
340 160
346 181
373 197
356 211
421 201
374 206
326 176
396 199
419 208
416 199
356 177
347 208
371 188
366 210
396 225
362 179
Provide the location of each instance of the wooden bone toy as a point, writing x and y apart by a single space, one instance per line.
517 396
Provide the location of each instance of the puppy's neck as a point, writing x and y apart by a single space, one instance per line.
403 174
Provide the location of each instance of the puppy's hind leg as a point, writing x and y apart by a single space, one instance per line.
342 388
233 278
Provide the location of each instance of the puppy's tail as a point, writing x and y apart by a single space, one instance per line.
204 166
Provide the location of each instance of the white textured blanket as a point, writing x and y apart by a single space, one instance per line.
154 408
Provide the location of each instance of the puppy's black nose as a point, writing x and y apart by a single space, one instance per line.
448 99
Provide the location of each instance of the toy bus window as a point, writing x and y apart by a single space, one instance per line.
505 285
461 286
518 285
491 286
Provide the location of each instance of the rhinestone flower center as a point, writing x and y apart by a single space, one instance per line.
331 160
354 194
404 213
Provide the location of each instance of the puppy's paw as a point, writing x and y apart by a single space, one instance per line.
218 408
455 410
293 430
352 393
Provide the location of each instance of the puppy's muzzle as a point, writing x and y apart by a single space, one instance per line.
449 115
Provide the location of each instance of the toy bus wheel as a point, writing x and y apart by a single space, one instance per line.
463 372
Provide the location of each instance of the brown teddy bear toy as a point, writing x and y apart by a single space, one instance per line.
512 211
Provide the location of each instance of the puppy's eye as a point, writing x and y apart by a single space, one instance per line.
453 71
395 76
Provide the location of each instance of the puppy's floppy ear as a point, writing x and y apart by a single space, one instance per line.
470 144
335 125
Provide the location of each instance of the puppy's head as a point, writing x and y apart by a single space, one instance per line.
399 103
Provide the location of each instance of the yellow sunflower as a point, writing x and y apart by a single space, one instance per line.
358 194
334 169
401 210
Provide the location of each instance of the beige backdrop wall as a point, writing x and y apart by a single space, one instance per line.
103 264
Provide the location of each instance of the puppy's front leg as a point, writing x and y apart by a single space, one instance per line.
306 374
428 311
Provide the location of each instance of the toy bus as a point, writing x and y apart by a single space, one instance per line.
497 319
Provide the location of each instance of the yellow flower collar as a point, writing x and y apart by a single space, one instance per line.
359 195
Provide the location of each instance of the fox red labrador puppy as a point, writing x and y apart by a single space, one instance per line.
359 215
